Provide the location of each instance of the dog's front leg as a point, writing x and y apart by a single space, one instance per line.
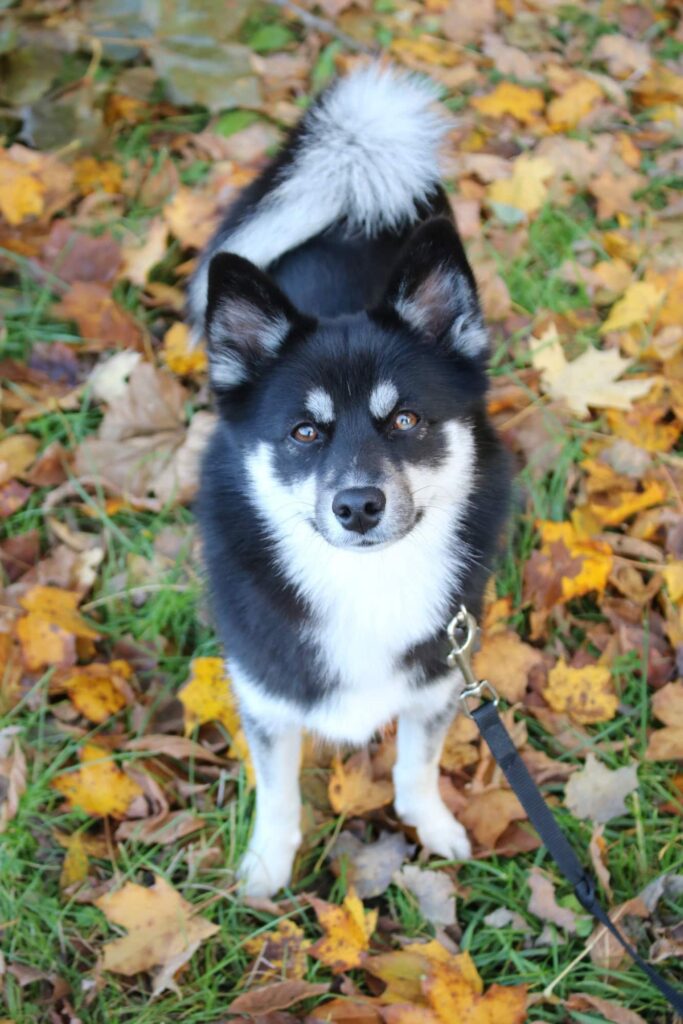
416 782
275 753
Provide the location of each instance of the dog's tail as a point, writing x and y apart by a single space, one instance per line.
365 152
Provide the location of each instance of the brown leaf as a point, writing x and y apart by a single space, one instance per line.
506 661
606 952
12 775
599 793
277 996
352 790
488 814
544 905
598 849
101 322
73 256
17 453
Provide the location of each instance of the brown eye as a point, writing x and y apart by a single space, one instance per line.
305 433
405 420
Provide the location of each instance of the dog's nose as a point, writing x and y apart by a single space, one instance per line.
359 508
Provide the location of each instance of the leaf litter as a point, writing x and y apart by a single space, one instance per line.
565 163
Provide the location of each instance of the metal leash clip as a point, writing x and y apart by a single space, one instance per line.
462 633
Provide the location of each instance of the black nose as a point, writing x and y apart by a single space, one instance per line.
359 508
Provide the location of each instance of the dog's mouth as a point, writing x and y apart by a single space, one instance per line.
375 540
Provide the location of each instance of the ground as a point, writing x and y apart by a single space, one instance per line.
126 800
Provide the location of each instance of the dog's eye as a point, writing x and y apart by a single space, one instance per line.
405 420
305 433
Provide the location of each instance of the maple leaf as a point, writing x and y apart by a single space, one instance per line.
488 814
592 559
97 691
667 705
101 322
589 380
191 217
348 930
140 257
352 789
635 307
17 453
507 98
21 191
617 508
598 792
12 772
526 189
47 634
91 174
163 930
207 696
543 903
179 355
454 991
505 660
585 694
280 953
568 109
99 787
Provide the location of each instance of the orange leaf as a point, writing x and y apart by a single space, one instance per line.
97 691
353 791
99 787
348 930
508 98
454 991
47 632
178 354
506 661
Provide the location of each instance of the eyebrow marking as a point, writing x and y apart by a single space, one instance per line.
320 405
383 398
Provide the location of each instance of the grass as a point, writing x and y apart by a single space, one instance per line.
51 933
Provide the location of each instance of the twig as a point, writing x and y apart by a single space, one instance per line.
325 26
145 588
600 934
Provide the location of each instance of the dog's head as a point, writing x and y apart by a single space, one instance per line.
362 426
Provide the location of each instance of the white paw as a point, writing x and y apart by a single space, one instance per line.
266 868
443 835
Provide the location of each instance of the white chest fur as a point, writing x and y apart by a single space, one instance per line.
368 607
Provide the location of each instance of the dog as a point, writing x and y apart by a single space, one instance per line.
353 493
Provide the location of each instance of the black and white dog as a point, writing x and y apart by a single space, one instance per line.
353 493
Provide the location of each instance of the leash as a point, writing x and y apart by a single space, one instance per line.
462 633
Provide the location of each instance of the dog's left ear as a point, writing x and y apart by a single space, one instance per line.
248 320
432 289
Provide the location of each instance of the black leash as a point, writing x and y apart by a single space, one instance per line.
462 632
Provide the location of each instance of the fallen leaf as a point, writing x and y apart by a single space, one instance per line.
99 787
371 866
673 576
91 174
505 661
140 257
590 380
586 694
622 55
667 705
465 22
47 633
598 792
207 696
636 307
598 851
101 322
161 928
403 970
279 995
17 453
12 774
567 110
454 991
21 190
606 951
76 863
507 98
434 891
614 1012
98 691
488 814
352 789
279 954
526 189
180 355
544 905
347 932
191 217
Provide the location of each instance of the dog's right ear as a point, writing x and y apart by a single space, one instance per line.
248 319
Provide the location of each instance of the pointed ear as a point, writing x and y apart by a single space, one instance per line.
432 289
248 320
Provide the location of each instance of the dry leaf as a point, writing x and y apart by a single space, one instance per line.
636 307
97 691
279 995
614 1012
586 694
47 634
352 789
207 696
507 98
370 867
180 355
162 928
99 787
488 814
76 863
434 891
575 102
544 905
454 991
101 322
599 793
140 258
590 380
280 954
526 190
17 453
12 774
348 930
506 661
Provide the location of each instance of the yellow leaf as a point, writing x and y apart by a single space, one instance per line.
403 970
47 632
191 217
567 110
97 691
506 661
348 930
585 694
21 193
163 928
17 453
673 574
625 504
596 558
353 791
208 696
526 190
634 308
508 98
76 862
280 953
590 380
454 991
99 787
179 355
140 259
91 174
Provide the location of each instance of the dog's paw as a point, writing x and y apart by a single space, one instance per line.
437 829
265 869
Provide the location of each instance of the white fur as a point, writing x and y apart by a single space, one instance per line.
320 405
443 297
383 398
243 321
369 154
369 606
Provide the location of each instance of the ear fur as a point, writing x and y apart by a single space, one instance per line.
432 289
248 319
